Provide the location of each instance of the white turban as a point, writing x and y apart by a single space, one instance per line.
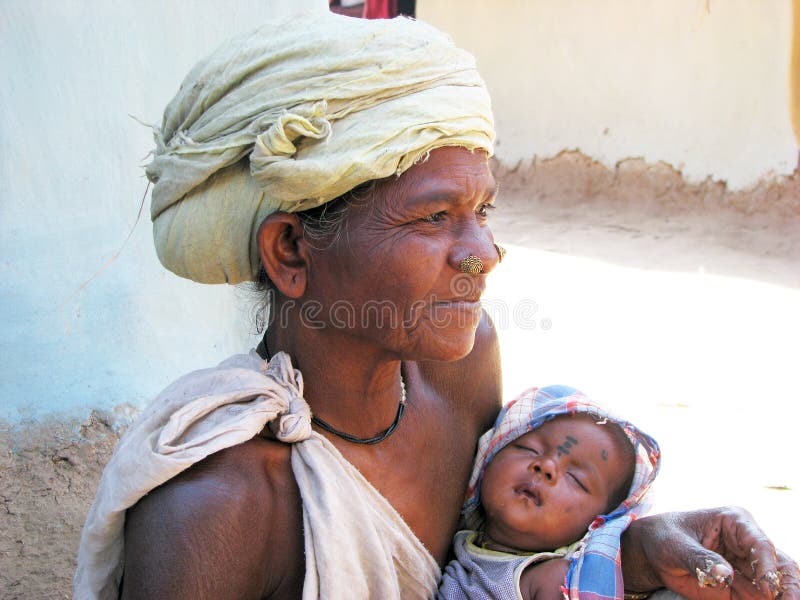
296 114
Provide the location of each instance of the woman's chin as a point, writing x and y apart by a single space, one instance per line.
446 348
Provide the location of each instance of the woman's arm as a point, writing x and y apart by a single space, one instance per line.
226 528
707 554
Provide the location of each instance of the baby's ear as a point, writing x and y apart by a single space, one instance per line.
284 253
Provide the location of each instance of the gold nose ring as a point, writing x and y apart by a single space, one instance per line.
501 252
471 265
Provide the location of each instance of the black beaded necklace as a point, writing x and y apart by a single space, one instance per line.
263 351
401 408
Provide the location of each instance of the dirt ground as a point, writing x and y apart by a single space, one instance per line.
48 475
674 304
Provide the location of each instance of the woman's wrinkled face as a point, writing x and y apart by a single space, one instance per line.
393 276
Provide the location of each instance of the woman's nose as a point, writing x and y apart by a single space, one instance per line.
546 468
475 253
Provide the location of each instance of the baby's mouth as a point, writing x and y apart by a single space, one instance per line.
531 493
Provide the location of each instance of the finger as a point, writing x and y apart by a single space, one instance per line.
701 573
698 571
711 570
692 591
750 552
745 587
756 574
790 577
766 574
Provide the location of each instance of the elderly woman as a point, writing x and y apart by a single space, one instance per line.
344 164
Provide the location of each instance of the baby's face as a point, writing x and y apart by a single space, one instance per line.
544 489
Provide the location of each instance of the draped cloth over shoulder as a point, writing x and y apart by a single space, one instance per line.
295 114
356 544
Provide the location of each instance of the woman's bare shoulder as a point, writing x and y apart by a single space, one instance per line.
230 526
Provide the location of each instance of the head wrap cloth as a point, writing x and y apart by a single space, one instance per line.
319 104
595 572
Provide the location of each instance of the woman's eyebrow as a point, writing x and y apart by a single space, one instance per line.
448 195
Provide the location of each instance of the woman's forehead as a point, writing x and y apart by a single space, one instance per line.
448 173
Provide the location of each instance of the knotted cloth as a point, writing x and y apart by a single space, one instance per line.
595 572
356 544
293 115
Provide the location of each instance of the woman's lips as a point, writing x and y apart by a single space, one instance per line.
462 304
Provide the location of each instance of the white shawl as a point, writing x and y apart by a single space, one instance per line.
356 544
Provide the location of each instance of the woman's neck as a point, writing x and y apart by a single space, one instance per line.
348 384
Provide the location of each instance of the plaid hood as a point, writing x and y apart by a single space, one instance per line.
595 570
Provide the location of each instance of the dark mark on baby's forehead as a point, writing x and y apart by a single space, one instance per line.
563 449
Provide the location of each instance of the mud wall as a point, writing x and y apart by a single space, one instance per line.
48 476
572 178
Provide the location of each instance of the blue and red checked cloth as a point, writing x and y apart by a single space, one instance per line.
595 572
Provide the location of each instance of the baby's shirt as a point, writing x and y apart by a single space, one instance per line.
481 573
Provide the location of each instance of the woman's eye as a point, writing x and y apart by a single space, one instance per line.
435 217
578 481
484 209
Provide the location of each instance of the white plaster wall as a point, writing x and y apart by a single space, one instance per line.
70 189
700 84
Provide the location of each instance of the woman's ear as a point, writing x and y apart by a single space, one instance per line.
283 253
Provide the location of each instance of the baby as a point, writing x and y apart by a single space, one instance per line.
555 483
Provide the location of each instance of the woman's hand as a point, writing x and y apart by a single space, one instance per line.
707 555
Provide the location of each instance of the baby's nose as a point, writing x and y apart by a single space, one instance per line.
547 468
